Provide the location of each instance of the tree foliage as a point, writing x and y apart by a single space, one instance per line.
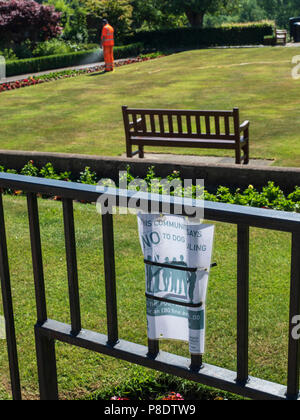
73 18
281 10
196 9
156 14
26 19
117 12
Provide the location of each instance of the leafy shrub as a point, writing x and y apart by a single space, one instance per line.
73 18
24 49
52 47
8 54
88 177
48 171
270 197
60 47
30 170
38 64
21 19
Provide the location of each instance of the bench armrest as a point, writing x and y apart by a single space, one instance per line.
244 126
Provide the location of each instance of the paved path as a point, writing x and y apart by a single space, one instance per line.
198 160
83 66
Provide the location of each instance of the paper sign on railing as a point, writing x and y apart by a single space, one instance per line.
176 296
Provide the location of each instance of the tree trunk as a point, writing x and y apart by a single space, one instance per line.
195 18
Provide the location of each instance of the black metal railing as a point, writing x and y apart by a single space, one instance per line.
47 331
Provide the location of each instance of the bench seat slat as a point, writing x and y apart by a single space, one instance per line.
179 135
183 142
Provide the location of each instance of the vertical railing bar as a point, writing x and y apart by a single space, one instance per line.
153 348
71 257
45 348
294 342
196 362
110 279
8 311
37 258
47 369
242 303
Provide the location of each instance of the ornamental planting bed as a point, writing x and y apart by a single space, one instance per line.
50 77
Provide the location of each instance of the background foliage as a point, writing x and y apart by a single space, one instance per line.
20 20
50 27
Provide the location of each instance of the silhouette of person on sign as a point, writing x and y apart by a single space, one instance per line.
167 275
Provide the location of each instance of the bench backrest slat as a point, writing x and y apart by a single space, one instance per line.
171 126
217 126
207 124
161 123
227 125
179 122
152 122
198 124
189 124
223 125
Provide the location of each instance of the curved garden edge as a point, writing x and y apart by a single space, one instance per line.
65 74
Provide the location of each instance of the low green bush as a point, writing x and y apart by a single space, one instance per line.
250 34
35 65
269 40
59 46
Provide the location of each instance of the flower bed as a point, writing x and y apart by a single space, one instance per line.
36 80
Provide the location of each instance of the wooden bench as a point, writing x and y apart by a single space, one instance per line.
182 128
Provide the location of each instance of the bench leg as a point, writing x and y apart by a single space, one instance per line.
128 150
238 160
246 153
141 152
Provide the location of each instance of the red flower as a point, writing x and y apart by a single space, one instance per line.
173 396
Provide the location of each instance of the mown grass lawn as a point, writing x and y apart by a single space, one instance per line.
81 372
83 115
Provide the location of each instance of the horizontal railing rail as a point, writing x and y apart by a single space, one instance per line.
47 331
219 212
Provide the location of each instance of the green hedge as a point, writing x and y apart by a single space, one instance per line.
34 65
251 34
